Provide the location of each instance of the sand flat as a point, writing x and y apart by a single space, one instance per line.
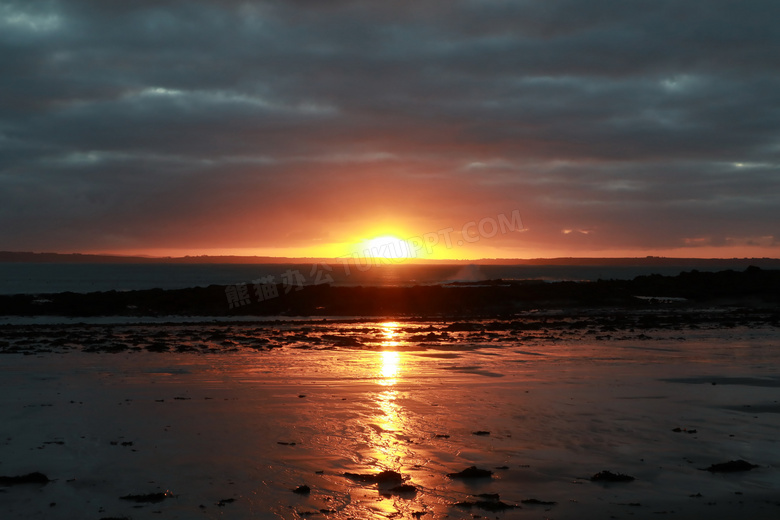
231 433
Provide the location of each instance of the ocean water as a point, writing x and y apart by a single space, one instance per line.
42 278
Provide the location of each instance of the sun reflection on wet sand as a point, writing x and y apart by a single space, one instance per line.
390 334
390 368
389 420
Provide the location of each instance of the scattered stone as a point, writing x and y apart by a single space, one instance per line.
402 490
487 505
731 466
608 476
385 477
537 502
30 478
471 472
302 490
150 498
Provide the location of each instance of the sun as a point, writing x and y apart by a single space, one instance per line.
386 246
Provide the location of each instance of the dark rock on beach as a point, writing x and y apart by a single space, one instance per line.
30 478
536 502
608 476
385 477
471 472
302 490
731 466
404 490
149 498
494 506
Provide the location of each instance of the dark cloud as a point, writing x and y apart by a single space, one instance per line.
200 124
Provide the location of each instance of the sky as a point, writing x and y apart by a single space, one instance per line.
477 128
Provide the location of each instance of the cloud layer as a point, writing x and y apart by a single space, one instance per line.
289 125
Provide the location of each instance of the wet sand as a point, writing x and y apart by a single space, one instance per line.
229 420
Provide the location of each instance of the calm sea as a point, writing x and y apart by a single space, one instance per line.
31 278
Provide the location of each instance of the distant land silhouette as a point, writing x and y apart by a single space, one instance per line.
753 288
699 263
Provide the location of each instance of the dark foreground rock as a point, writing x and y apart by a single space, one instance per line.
302 490
608 476
731 466
537 502
30 478
149 498
471 472
385 477
487 502
404 491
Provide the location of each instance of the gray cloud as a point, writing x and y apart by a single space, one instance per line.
646 124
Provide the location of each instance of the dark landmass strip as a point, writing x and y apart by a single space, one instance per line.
79 258
753 288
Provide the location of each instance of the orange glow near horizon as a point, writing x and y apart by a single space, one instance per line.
344 250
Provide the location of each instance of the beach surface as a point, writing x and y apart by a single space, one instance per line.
307 420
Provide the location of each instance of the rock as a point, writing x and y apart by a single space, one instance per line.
471 472
487 505
536 502
385 477
30 478
225 501
402 490
480 432
731 466
302 490
151 498
608 476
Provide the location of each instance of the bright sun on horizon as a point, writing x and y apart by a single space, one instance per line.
385 246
